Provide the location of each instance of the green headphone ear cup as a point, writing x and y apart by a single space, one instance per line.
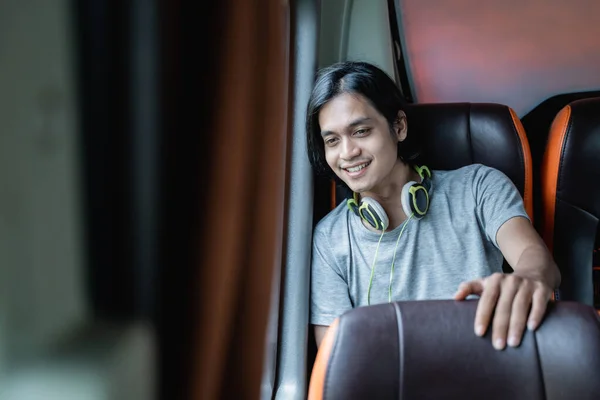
373 213
406 198
415 196
419 200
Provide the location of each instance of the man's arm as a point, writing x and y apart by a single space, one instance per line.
329 296
520 298
527 253
320 331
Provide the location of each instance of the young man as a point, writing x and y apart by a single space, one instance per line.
359 135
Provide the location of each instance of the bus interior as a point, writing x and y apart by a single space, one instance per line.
157 202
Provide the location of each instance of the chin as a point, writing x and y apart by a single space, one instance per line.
357 185
358 188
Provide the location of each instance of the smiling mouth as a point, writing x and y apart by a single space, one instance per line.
357 168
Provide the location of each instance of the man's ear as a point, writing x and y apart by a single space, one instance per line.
400 126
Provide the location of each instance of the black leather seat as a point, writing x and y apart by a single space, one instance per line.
428 350
453 135
571 196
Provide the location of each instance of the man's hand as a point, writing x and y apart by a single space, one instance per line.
516 299
513 300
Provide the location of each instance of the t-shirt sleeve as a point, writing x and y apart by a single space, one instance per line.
329 289
497 200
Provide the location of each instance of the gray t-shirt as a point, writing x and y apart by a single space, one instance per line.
454 242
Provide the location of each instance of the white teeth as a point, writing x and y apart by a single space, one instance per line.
357 168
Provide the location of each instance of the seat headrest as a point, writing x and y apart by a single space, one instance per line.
453 135
428 350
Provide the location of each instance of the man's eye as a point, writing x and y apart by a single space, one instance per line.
361 132
330 141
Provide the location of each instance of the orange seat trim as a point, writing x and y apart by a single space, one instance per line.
528 189
551 169
319 372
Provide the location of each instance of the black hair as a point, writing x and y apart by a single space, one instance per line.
358 78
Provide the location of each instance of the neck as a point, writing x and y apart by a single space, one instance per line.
388 193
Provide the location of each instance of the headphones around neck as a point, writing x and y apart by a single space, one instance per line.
414 197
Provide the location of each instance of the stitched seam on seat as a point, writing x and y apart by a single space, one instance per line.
400 350
541 370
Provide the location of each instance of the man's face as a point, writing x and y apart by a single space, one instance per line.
359 147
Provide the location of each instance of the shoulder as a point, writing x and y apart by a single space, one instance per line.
473 175
481 171
488 179
330 223
468 171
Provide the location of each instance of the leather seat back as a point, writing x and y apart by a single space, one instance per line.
571 196
453 135
428 350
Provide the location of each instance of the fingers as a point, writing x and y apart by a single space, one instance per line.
502 315
538 308
521 302
487 303
512 301
467 288
520 310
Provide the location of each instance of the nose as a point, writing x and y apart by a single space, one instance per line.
349 149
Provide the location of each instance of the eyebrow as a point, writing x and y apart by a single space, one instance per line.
352 124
